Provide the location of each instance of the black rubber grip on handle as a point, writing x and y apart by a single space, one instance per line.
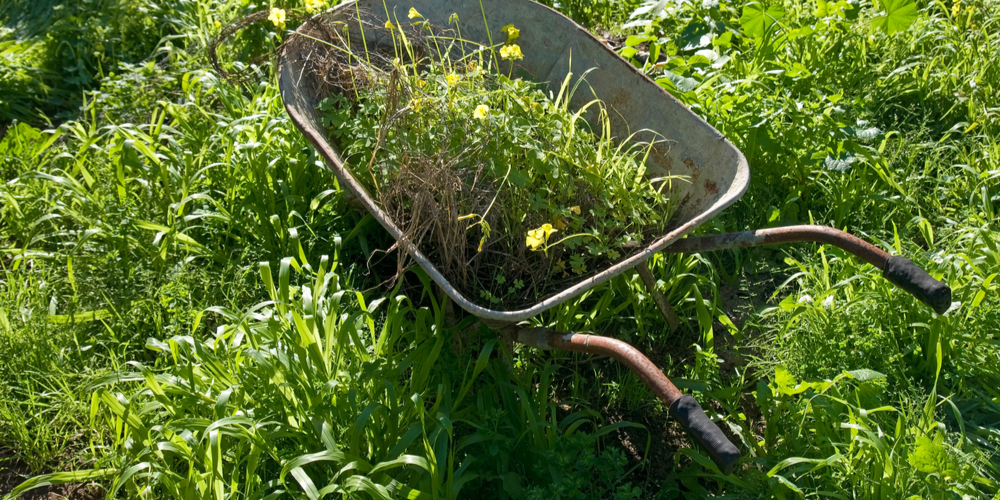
688 412
903 273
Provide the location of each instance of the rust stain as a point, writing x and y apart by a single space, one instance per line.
695 174
620 98
711 187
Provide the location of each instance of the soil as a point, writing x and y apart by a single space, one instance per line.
740 299
13 472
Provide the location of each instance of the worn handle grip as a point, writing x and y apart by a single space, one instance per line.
903 273
688 412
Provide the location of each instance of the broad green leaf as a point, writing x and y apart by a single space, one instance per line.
634 40
933 458
61 478
898 16
786 382
840 164
80 317
866 375
306 483
681 83
756 20
818 463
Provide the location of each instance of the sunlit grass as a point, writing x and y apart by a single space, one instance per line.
143 343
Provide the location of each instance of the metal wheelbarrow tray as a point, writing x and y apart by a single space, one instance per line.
717 172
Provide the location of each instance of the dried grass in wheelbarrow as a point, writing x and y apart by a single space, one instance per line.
511 193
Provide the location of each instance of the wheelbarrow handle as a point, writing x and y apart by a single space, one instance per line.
900 271
683 407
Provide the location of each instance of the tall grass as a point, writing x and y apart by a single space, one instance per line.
147 346
307 393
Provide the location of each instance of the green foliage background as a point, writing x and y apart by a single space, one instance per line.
189 310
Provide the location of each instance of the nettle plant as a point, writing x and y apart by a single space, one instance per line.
510 190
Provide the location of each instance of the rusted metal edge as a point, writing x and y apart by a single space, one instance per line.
684 408
625 353
779 235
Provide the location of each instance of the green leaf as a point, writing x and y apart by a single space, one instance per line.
899 15
840 164
681 83
634 40
756 21
866 375
818 463
786 382
61 478
928 456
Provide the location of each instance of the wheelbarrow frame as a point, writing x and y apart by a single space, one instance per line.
717 170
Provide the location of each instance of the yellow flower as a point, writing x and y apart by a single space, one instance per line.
218 24
575 209
414 13
482 112
421 83
538 237
513 33
452 79
314 5
533 241
277 17
511 51
389 26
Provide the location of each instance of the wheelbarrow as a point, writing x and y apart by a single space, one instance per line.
717 171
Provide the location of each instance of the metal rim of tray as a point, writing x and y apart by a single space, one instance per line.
300 117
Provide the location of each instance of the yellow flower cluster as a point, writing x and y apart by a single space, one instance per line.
482 112
511 51
314 5
452 79
277 17
956 8
538 237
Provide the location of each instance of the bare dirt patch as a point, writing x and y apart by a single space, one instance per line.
14 471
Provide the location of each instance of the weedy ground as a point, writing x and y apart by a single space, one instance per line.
191 309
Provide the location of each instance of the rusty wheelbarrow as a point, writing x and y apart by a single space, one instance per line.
717 171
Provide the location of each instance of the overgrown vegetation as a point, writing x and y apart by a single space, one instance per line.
191 309
506 189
